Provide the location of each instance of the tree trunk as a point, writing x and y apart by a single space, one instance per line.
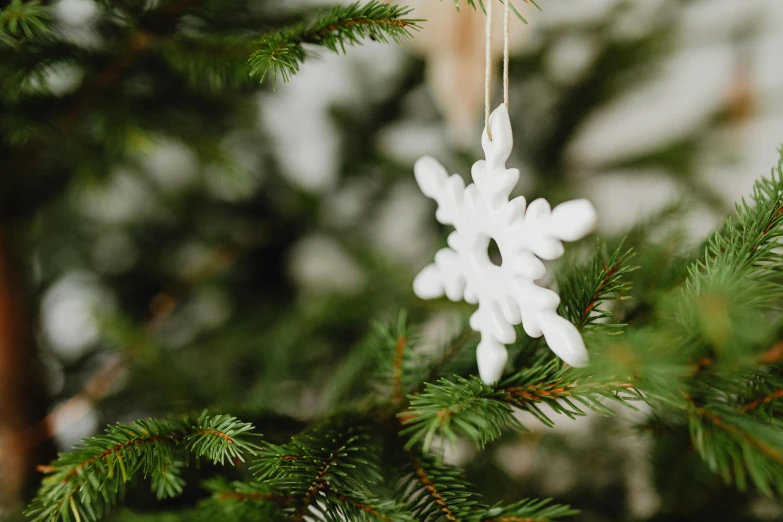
22 395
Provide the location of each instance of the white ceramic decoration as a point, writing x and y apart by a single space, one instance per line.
506 295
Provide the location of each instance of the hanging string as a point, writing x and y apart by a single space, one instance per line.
488 60
488 66
506 3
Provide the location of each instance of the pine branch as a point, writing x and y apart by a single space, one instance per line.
756 391
86 483
251 496
399 366
584 289
400 346
722 320
738 447
459 353
528 510
398 358
764 400
230 502
467 407
433 490
565 391
21 20
282 53
135 43
359 507
330 469
732 289
480 412
450 408
454 408
746 245
588 286
212 61
237 501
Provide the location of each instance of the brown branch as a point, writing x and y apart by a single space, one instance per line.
285 500
770 226
117 449
425 480
329 29
318 484
170 438
216 433
538 392
364 507
443 414
399 354
597 294
515 519
773 355
556 389
766 399
767 229
318 36
254 497
762 446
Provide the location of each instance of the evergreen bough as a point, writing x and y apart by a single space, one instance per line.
373 459
87 482
706 356
283 52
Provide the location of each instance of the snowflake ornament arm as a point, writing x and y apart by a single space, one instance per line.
506 295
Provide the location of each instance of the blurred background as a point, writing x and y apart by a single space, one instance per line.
230 249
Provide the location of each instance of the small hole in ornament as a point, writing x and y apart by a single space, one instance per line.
493 251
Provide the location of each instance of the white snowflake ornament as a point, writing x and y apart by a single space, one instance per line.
506 295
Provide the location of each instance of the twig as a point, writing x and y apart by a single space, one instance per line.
597 294
766 399
318 484
364 507
765 448
424 478
250 497
399 354
555 390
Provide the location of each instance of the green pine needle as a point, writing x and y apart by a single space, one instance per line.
330 469
433 490
740 449
84 484
527 510
462 407
747 243
19 20
469 408
282 53
588 286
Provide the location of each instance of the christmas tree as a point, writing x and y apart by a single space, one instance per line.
206 273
